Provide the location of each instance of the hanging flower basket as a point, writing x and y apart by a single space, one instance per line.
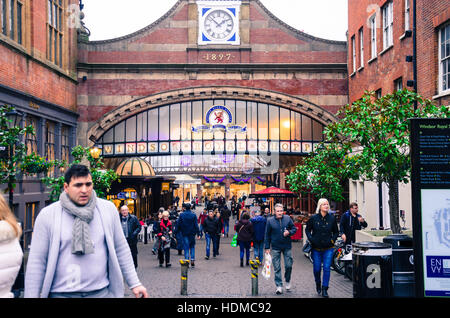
35 164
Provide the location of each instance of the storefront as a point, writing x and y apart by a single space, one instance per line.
246 105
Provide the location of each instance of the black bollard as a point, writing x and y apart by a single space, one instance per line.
184 275
145 234
254 273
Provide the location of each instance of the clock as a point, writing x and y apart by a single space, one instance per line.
218 22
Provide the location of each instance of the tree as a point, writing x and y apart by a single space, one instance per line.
323 172
380 130
14 158
102 179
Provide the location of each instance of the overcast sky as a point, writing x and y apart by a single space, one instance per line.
108 19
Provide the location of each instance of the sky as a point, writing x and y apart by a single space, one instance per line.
108 19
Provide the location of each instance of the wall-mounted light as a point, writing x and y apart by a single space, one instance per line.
95 152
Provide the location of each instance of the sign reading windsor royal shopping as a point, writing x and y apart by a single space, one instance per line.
430 156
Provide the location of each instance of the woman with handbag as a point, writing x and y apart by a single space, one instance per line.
245 234
322 231
164 235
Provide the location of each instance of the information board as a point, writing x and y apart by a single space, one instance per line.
430 158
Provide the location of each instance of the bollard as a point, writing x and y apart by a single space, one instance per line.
254 273
184 275
145 234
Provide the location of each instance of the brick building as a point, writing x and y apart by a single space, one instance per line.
280 84
38 56
381 59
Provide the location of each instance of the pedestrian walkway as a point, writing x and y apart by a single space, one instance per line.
223 277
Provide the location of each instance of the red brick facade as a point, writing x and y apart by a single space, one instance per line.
25 67
389 65
165 56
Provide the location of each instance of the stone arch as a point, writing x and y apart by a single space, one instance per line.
198 93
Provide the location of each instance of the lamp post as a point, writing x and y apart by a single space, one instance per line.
14 118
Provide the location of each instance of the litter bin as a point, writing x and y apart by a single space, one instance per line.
403 277
372 270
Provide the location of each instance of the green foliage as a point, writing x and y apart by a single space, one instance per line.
381 128
370 141
102 179
15 159
322 172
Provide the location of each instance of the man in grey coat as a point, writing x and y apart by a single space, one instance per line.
78 247
279 229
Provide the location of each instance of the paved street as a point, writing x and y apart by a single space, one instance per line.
223 277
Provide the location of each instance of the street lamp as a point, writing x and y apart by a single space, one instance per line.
95 152
14 118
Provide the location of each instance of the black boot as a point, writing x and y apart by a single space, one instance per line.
242 262
324 292
247 263
319 288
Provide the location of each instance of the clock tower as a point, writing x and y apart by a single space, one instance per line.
218 22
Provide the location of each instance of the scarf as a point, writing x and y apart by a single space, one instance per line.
81 241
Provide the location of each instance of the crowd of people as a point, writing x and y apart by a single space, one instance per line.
81 229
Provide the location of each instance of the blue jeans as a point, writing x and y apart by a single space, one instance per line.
259 250
189 247
276 261
226 227
325 257
244 247
215 241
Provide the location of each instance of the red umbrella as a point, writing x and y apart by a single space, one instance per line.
273 192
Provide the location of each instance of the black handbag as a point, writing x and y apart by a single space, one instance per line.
173 243
307 247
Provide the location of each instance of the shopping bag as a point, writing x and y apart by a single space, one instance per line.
267 266
234 241
307 247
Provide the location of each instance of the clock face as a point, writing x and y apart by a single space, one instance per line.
219 24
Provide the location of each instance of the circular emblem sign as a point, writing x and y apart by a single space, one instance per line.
219 115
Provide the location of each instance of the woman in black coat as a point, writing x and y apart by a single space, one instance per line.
322 231
244 228
164 236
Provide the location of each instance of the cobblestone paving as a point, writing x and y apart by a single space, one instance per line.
223 277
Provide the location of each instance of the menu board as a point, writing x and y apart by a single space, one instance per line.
430 157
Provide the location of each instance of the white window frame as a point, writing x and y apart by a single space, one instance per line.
361 47
398 84
407 15
373 36
353 54
388 24
444 62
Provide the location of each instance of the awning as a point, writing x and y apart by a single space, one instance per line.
186 179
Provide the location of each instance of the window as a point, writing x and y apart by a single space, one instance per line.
361 47
65 147
388 22
3 13
31 211
55 24
353 55
398 84
31 140
444 59
11 19
50 142
407 12
378 93
373 37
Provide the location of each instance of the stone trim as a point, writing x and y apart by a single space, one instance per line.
198 93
